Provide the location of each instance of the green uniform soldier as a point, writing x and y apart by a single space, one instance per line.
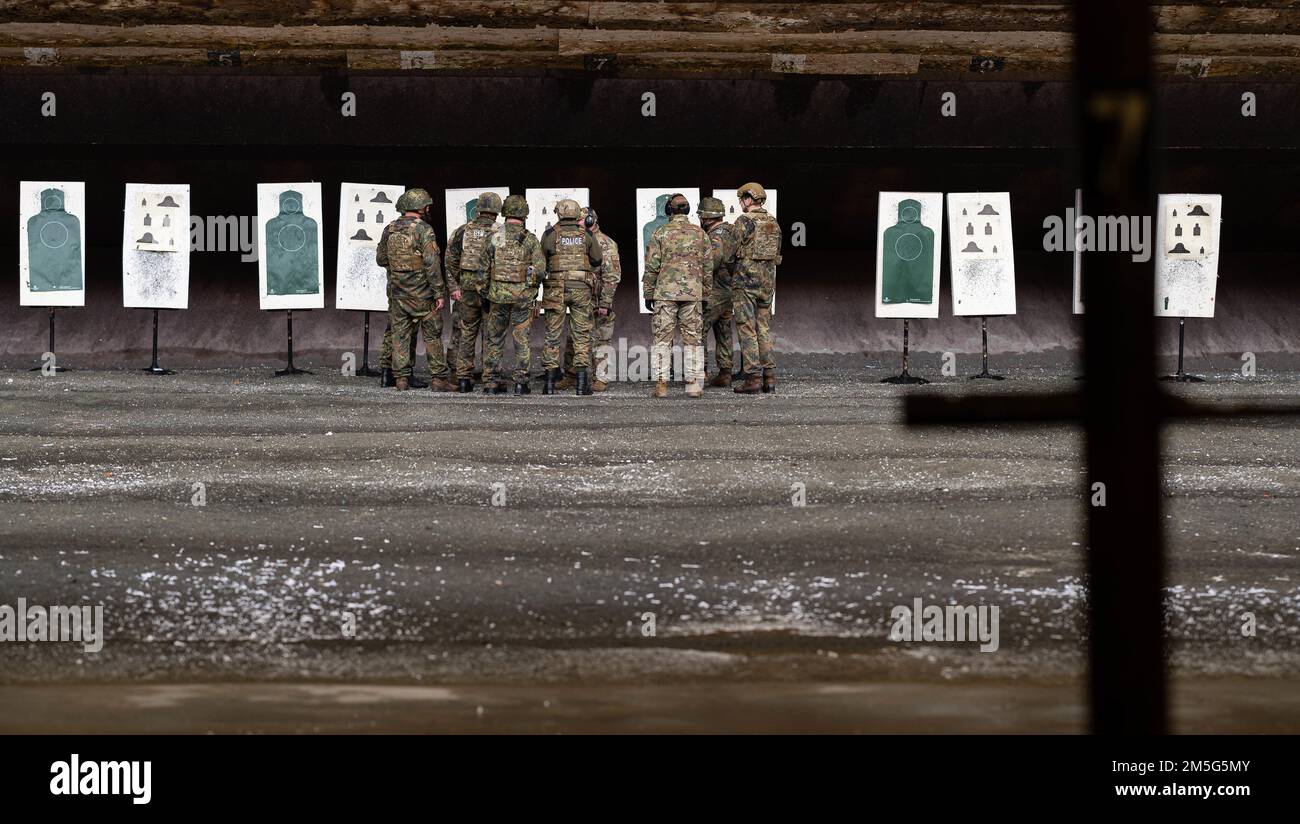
753 281
602 328
464 259
679 264
417 289
572 255
717 307
512 265
386 379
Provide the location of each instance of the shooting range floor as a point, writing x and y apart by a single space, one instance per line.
328 497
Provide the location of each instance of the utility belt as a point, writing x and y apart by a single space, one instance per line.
572 274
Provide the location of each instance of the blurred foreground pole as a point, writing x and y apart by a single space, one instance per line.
1120 402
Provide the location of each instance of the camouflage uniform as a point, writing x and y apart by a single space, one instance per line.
572 254
753 280
610 274
512 264
679 267
718 318
409 251
464 257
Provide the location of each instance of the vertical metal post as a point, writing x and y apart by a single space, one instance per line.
1126 677
904 345
984 337
1182 326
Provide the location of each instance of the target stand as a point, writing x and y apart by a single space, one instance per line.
904 377
290 369
364 371
1180 376
154 368
56 367
985 374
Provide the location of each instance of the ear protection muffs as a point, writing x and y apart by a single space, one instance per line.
590 219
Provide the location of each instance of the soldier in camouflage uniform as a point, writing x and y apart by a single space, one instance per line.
679 263
717 307
753 281
512 266
602 332
386 379
464 258
572 255
417 290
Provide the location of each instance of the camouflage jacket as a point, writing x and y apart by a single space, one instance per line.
467 276
409 251
723 237
678 263
611 270
758 251
512 265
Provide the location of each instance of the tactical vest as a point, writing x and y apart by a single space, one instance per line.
404 253
472 243
765 241
570 249
510 258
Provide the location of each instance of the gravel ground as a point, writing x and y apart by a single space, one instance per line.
349 537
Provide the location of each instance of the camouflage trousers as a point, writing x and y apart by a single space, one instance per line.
577 297
718 319
668 317
386 348
753 312
404 316
602 334
518 319
468 316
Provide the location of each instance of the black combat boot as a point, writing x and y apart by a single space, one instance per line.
499 388
551 377
521 388
386 380
583 385
416 383
464 385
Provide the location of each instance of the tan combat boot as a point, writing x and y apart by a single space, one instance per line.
695 388
566 382
769 380
752 386
403 384
660 390
723 378
440 385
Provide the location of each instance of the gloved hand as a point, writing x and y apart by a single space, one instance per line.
602 311
649 305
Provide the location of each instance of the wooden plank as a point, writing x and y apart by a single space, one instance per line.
773 16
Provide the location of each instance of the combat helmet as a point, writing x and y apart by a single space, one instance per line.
413 200
489 202
567 209
757 192
711 207
515 206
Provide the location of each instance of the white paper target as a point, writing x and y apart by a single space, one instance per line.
909 240
290 254
981 254
1187 259
156 246
732 204
650 216
364 210
51 243
460 204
